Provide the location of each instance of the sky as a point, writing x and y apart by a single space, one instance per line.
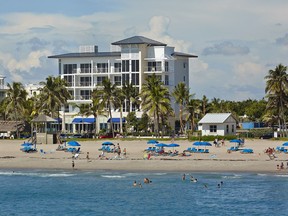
237 41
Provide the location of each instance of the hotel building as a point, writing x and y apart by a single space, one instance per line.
131 60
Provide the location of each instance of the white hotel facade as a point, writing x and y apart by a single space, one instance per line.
133 60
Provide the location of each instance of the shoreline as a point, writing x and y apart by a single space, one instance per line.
218 160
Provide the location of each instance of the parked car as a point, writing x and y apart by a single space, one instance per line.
76 136
105 136
267 136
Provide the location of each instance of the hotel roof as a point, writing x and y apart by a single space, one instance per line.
87 54
139 40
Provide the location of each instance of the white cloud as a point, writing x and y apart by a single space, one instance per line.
226 48
158 30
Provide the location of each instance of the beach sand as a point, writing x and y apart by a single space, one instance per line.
217 160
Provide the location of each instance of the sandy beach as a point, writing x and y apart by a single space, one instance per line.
217 160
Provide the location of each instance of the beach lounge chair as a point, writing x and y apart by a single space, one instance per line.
194 150
247 151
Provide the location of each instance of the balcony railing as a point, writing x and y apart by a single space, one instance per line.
156 69
81 97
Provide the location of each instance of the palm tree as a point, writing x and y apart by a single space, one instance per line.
204 105
118 102
97 108
181 95
106 94
53 95
15 100
130 93
84 111
155 99
276 90
192 108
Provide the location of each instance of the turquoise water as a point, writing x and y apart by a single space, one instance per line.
38 192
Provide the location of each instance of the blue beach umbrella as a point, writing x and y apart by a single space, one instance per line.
107 143
173 145
73 143
235 141
202 143
161 145
27 144
285 144
152 142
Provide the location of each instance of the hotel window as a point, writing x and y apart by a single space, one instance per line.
125 79
70 68
135 79
125 66
117 80
85 81
213 128
154 66
117 67
102 67
85 68
85 94
232 128
227 128
184 78
135 65
69 80
166 66
184 65
100 80
166 82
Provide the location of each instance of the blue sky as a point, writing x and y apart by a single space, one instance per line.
237 42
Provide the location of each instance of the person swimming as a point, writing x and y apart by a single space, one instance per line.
192 179
134 184
184 177
147 181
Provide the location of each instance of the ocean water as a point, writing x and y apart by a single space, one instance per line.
39 192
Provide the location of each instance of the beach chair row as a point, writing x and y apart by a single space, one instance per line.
246 151
233 148
28 149
194 150
281 149
150 149
106 149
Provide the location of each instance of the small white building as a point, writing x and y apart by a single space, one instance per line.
213 124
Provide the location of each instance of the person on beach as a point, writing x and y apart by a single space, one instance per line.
124 152
282 165
87 156
73 164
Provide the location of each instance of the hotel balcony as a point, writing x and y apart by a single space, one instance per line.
156 69
80 98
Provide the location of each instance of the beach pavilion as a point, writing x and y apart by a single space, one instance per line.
214 124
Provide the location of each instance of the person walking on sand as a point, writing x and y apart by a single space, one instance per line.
73 164
87 156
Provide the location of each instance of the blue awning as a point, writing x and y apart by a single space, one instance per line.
116 120
83 120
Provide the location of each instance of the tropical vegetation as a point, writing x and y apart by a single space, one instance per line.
154 99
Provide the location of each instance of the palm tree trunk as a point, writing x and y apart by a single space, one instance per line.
121 116
95 124
111 120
